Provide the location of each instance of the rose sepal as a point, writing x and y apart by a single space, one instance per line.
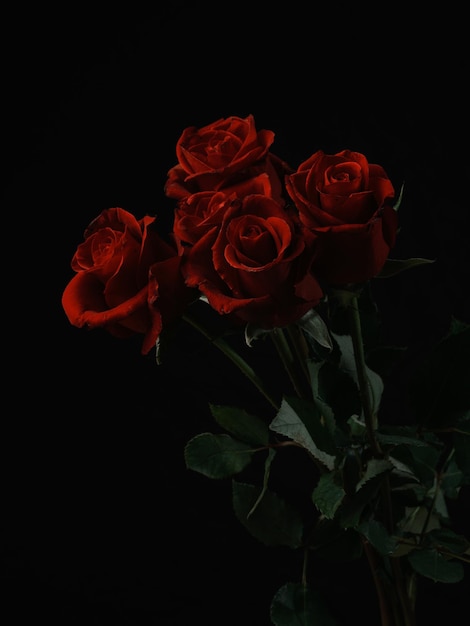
392 267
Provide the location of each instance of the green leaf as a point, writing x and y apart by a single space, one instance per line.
392 267
430 564
396 440
397 204
417 520
328 495
357 427
217 456
418 461
377 535
318 395
374 468
440 505
272 521
253 332
457 326
297 605
300 421
316 329
407 494
348 365
350 512
335 392
267 470
391 439
351 469
445 539
451 480
241 424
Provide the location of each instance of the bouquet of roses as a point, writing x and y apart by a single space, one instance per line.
263 256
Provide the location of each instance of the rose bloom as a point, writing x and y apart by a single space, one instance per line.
228 154
347 202
127 278
197 213
255 267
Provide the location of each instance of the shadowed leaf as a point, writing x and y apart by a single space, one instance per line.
431 564
395 266
241 424
297 605
217 456
300 421
272 522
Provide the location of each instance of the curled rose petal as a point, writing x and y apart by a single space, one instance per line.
85 305
229 154
116 282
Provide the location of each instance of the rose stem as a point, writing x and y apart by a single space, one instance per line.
370 421
356 334
236 359
287 358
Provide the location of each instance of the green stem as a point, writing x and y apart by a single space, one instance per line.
401 589
287 358
358 346
371 425
384 607
305 567
236 359
301 349
446 457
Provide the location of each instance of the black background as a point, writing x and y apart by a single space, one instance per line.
101 522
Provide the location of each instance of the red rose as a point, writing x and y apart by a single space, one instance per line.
128 279
226 155
347 202
197 213
256 264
